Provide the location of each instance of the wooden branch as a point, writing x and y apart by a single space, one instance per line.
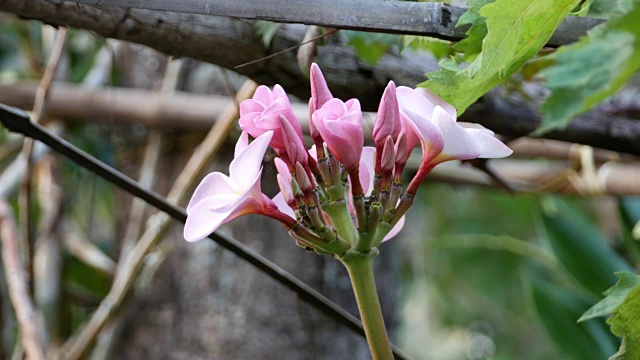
18 285
512 117
210 39
612 178
396 17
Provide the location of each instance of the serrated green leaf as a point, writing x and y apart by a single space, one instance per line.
581 249
516 30
624 323
471 46
558 309
591 70
614 296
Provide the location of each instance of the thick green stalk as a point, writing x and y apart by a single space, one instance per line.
340 215
360 268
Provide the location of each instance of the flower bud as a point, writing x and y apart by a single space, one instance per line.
388 122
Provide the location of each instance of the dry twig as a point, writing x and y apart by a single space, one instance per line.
18 285
39 112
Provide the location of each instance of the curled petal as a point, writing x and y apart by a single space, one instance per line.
247 164
213 184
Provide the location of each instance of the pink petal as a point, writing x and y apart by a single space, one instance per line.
367 169
437 101
413 101
458 143
250 106
263 95
243 142
213 184
248 163
201 222
430 135
320 93
282 205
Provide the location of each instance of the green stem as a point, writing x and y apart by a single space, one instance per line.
360 268
338 211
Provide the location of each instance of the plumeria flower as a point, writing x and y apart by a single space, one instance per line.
433 121
340 125
262 113
220 198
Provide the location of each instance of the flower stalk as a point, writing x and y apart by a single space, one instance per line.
360 268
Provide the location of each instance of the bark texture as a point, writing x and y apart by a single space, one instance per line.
230 42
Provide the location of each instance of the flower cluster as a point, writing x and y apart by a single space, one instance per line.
340 194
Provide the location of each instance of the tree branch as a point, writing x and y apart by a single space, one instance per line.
229 42
396 17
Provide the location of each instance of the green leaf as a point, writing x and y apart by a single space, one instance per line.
558 308
591 70
624 323
614 296
439 48
581 248
516 30
371 46
471 46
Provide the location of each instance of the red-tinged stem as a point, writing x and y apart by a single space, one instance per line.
423 171
286 220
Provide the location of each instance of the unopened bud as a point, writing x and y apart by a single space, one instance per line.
388 121
302 178
388 156
296 151
401 149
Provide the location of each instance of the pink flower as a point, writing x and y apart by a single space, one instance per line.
433 121
262 113
220 198
340 125
388 122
